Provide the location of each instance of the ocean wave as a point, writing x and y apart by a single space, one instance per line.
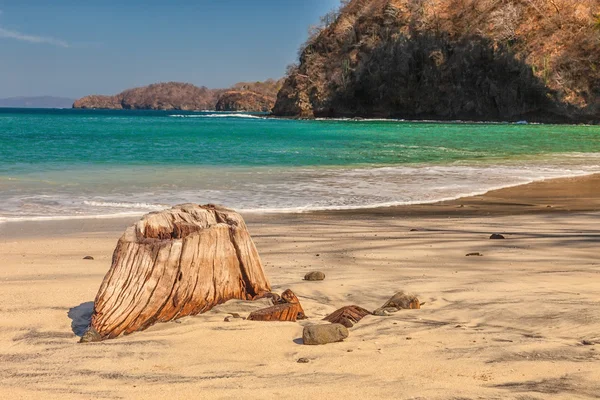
138 209
143 206
290 190
33 218
430 121
241 115
312 208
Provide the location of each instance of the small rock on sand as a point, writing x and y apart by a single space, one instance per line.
90 336
496 236
323 334
88 258
303 360
399 301
474 255
314 276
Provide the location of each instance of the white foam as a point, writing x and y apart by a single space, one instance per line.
285 190
240 115
306 209
144 206
70 217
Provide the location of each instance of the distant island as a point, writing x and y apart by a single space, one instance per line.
243 96
450 60
36 102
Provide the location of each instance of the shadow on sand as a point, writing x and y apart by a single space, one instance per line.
81 317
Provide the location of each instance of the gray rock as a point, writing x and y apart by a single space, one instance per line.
323 334
90 336
497 236
314 276
384 312
402 301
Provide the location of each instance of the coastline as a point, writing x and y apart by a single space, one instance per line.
511 323
557 120
558 195
551 196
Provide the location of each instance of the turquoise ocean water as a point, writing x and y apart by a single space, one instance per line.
76 163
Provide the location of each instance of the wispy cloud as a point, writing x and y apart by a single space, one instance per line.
10 34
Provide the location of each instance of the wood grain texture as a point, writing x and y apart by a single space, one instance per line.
176 263
347 316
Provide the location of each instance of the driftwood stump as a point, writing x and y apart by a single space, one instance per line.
175 263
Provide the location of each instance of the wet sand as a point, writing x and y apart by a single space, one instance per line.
510 324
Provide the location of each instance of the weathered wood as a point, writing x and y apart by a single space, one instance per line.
289 309
279 312
347 316
175 263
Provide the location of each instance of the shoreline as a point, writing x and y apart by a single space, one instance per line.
263 115
519 320
558 195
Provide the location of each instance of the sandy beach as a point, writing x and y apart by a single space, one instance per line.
521 321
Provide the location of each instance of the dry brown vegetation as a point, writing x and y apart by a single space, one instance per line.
246 96
234 100
250 96
451 59
158 96
268 88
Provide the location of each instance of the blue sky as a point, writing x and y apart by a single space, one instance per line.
77 47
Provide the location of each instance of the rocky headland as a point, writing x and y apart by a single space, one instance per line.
250 96
234 100
511 60
244 96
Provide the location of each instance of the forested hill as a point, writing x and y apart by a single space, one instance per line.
450 59
249 96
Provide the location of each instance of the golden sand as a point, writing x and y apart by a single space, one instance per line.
510 324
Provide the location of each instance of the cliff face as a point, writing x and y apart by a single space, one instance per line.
98 101
250 96
244 101
246 96
451 59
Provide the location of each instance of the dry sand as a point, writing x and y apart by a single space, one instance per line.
507 325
